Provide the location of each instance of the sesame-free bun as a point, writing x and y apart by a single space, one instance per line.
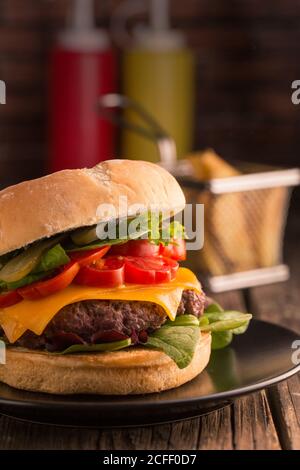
69 199
132 371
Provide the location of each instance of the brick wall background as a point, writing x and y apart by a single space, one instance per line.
248 54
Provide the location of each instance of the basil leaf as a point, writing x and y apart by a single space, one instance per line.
230 319
178 342
242 318
224 315
227 324
221 339
215 307
241 329
183 320
94 245
79 348
203 321
52 259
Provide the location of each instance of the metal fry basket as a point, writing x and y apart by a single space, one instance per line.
244 216
245 219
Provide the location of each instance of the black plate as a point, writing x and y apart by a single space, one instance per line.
259 358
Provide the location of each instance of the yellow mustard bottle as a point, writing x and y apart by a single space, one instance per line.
159 73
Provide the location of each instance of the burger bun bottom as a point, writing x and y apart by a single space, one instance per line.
125 372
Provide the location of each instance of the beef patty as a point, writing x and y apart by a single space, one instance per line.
94 321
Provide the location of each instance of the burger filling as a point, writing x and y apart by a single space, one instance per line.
92 322
107 295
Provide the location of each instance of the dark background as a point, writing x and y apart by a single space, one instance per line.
248 54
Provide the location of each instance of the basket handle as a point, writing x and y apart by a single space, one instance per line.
152 130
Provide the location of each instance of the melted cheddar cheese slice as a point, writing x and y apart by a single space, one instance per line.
35 315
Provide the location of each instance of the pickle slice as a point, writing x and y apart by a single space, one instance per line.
88 235
84 236
22 264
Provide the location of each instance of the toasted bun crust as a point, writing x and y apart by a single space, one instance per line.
112 373
70 199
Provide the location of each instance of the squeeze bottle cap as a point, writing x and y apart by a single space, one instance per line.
81 33
159 35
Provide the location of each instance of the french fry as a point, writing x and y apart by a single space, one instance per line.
228 243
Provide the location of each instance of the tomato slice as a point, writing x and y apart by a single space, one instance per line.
107 272
10 298
176 249
135 248
50 286
149 270
85 258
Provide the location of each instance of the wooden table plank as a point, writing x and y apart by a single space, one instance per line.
253 424
161 437
280 304
215 431
284 400
252 421
17 435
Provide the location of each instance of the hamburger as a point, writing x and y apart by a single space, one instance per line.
89 306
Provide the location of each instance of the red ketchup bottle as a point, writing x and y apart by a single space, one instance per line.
82 68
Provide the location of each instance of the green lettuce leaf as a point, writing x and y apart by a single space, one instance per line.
183 320
52 259
228 323
178 340
213 308
230 320
223 324
203 321
150 226
171 231
221 339
94 245
81 348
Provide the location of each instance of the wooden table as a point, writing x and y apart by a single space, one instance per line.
265 420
